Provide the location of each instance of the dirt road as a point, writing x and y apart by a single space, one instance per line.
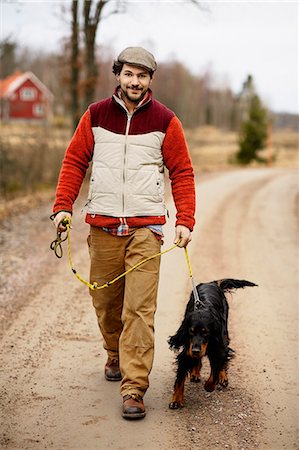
53 393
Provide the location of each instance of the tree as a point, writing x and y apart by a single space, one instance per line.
7 57
91 23
92 15
75 72
253 133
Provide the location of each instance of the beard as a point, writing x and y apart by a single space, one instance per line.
134 98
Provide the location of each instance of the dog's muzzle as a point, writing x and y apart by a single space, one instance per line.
196 351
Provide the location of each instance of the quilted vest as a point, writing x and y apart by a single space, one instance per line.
127 177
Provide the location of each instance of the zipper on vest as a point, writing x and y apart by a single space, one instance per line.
129 117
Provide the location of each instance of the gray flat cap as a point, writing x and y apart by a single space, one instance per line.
139 57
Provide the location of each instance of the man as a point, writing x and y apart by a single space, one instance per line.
129 138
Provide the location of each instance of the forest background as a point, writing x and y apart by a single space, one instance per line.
211 112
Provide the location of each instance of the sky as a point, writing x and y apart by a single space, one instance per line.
231 39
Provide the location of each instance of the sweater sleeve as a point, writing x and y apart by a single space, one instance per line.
74 165
178 162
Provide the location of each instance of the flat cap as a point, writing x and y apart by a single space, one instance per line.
139 57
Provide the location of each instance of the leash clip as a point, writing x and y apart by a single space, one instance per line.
197 301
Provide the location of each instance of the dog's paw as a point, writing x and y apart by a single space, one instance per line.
175 405
209 386
223 379
195 379
223 383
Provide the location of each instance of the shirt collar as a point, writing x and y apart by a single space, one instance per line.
118 95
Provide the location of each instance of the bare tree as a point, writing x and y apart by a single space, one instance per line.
93 12
91 23
75 72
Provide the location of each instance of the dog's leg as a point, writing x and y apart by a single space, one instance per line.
218 375
179 385
223 378
195 372
178 395
210 383
213 379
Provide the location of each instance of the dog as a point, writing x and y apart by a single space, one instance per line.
204 332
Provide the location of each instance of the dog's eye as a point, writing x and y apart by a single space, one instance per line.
191 331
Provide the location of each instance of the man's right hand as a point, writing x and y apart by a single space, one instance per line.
59 218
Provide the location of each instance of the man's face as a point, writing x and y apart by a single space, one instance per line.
134 82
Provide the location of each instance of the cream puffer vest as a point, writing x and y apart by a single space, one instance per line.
127 177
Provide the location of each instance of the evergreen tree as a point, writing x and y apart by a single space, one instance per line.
253 133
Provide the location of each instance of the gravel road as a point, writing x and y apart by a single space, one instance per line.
53 392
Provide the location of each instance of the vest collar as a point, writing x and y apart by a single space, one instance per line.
117 96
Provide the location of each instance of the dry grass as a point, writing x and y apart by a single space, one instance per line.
213 149
31 157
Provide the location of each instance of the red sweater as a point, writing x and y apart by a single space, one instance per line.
176 158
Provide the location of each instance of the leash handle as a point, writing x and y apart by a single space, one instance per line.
56 244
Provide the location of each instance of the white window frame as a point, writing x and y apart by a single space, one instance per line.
38 109
28 94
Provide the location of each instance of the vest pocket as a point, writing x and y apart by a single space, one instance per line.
104 191
145 182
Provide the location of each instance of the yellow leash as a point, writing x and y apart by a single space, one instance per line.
57 248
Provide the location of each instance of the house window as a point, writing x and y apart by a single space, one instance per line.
38 110
28 94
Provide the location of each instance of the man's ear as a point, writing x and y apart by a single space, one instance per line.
117 77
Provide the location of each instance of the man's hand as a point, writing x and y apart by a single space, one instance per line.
182 234
59 217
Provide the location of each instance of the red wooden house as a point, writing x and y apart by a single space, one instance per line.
24 97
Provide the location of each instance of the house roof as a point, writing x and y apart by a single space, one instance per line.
10 84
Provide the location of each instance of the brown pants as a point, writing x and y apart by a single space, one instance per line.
125 310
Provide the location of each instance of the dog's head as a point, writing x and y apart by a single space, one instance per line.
199 329
193 334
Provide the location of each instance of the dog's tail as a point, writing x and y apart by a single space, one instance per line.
228 284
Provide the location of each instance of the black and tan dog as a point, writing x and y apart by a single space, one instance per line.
204 332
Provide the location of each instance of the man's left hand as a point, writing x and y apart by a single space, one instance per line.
182 234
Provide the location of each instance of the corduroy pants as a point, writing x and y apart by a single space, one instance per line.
126 309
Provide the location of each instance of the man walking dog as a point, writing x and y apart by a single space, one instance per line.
129 138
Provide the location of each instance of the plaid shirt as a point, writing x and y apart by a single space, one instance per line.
124 230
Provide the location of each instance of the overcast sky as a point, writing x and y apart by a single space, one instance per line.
232 39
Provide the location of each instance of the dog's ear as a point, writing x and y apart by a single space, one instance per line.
228 284
180 338
174 343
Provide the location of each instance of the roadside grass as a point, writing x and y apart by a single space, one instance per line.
31 156
212 149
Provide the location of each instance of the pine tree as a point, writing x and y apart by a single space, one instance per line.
253 133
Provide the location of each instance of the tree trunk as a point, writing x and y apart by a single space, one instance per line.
91 24
75 71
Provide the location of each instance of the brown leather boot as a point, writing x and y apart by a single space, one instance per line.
112 372
133 407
